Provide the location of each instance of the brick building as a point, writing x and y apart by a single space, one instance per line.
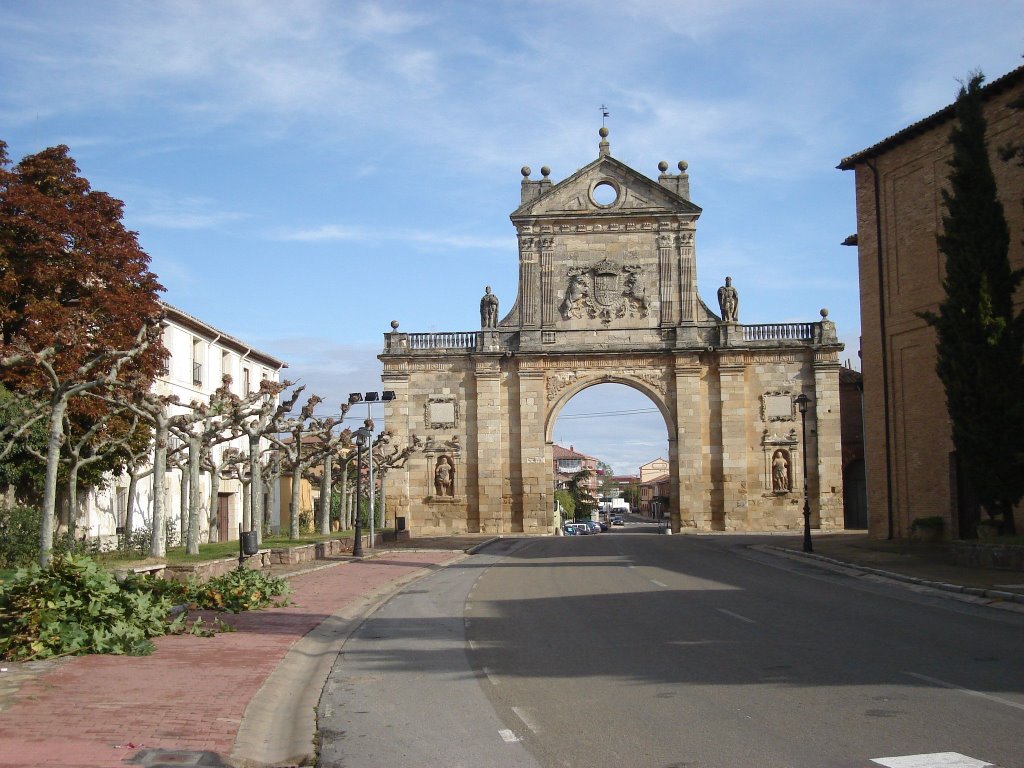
911 465
566 462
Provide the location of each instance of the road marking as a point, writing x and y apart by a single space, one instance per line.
736 616
472 645
528 720
507 736
657 583
490 676
968 691
934 760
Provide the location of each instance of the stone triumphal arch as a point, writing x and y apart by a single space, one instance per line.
608 293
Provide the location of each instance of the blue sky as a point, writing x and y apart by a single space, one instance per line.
304 173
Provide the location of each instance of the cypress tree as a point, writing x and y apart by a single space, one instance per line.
980 338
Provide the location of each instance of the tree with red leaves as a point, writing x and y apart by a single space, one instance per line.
78 304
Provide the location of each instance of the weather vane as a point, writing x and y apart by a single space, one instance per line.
604 114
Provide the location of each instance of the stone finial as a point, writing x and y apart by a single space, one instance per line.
824 313
394 325
682 166
525 170
603 149
545 171
662 166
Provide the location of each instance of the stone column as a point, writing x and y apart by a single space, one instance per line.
529 280
489 448
824 444
687 278
666 282
686 447
396 489
537 485
547 282
733 399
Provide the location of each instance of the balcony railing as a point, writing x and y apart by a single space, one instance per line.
726 335
779 332
197 373
445 340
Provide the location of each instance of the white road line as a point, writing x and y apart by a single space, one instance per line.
490 676
528 720
934 760
657 583
736 616
968 691
507 736
472 645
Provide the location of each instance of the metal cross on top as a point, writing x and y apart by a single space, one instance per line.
604 114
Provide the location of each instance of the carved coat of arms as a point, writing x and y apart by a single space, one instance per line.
606 291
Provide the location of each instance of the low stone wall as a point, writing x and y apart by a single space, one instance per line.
1008 557
265 558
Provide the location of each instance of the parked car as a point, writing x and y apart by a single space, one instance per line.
617 520
574 529
594 527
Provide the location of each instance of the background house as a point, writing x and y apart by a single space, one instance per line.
567 462
654 487
911 466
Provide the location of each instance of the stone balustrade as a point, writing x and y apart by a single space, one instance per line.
731 334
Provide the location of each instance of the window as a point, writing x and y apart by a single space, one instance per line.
197 362
246 383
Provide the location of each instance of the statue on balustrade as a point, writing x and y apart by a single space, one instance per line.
488 309
729 302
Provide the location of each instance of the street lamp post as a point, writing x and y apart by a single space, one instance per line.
801 403
361 436
369 399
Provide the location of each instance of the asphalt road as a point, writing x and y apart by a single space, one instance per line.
626 649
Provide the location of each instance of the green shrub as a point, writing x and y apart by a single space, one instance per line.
73 606
138 541
19 536
239 590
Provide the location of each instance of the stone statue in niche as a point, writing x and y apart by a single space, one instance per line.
488 309
780 472
729 302
444 477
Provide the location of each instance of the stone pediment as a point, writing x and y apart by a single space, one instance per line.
606 186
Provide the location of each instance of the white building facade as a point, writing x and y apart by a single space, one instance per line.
199 356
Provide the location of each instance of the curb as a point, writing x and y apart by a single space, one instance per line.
279 726
996 598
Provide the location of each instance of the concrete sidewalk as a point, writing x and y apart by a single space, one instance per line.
246 697
931 565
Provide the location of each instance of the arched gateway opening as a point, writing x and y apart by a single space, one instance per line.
608 293
617 426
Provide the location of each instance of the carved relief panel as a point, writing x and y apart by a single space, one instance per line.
605 291
441 412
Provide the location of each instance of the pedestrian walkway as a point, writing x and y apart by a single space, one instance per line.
191 694
926 564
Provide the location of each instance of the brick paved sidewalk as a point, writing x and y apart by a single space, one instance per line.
191 693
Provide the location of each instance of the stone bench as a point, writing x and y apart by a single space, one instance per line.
156 571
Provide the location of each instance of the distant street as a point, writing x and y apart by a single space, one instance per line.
633 648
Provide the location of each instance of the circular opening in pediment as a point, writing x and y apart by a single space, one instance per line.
604 194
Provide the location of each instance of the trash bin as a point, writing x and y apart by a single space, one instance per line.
399 523
250 545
